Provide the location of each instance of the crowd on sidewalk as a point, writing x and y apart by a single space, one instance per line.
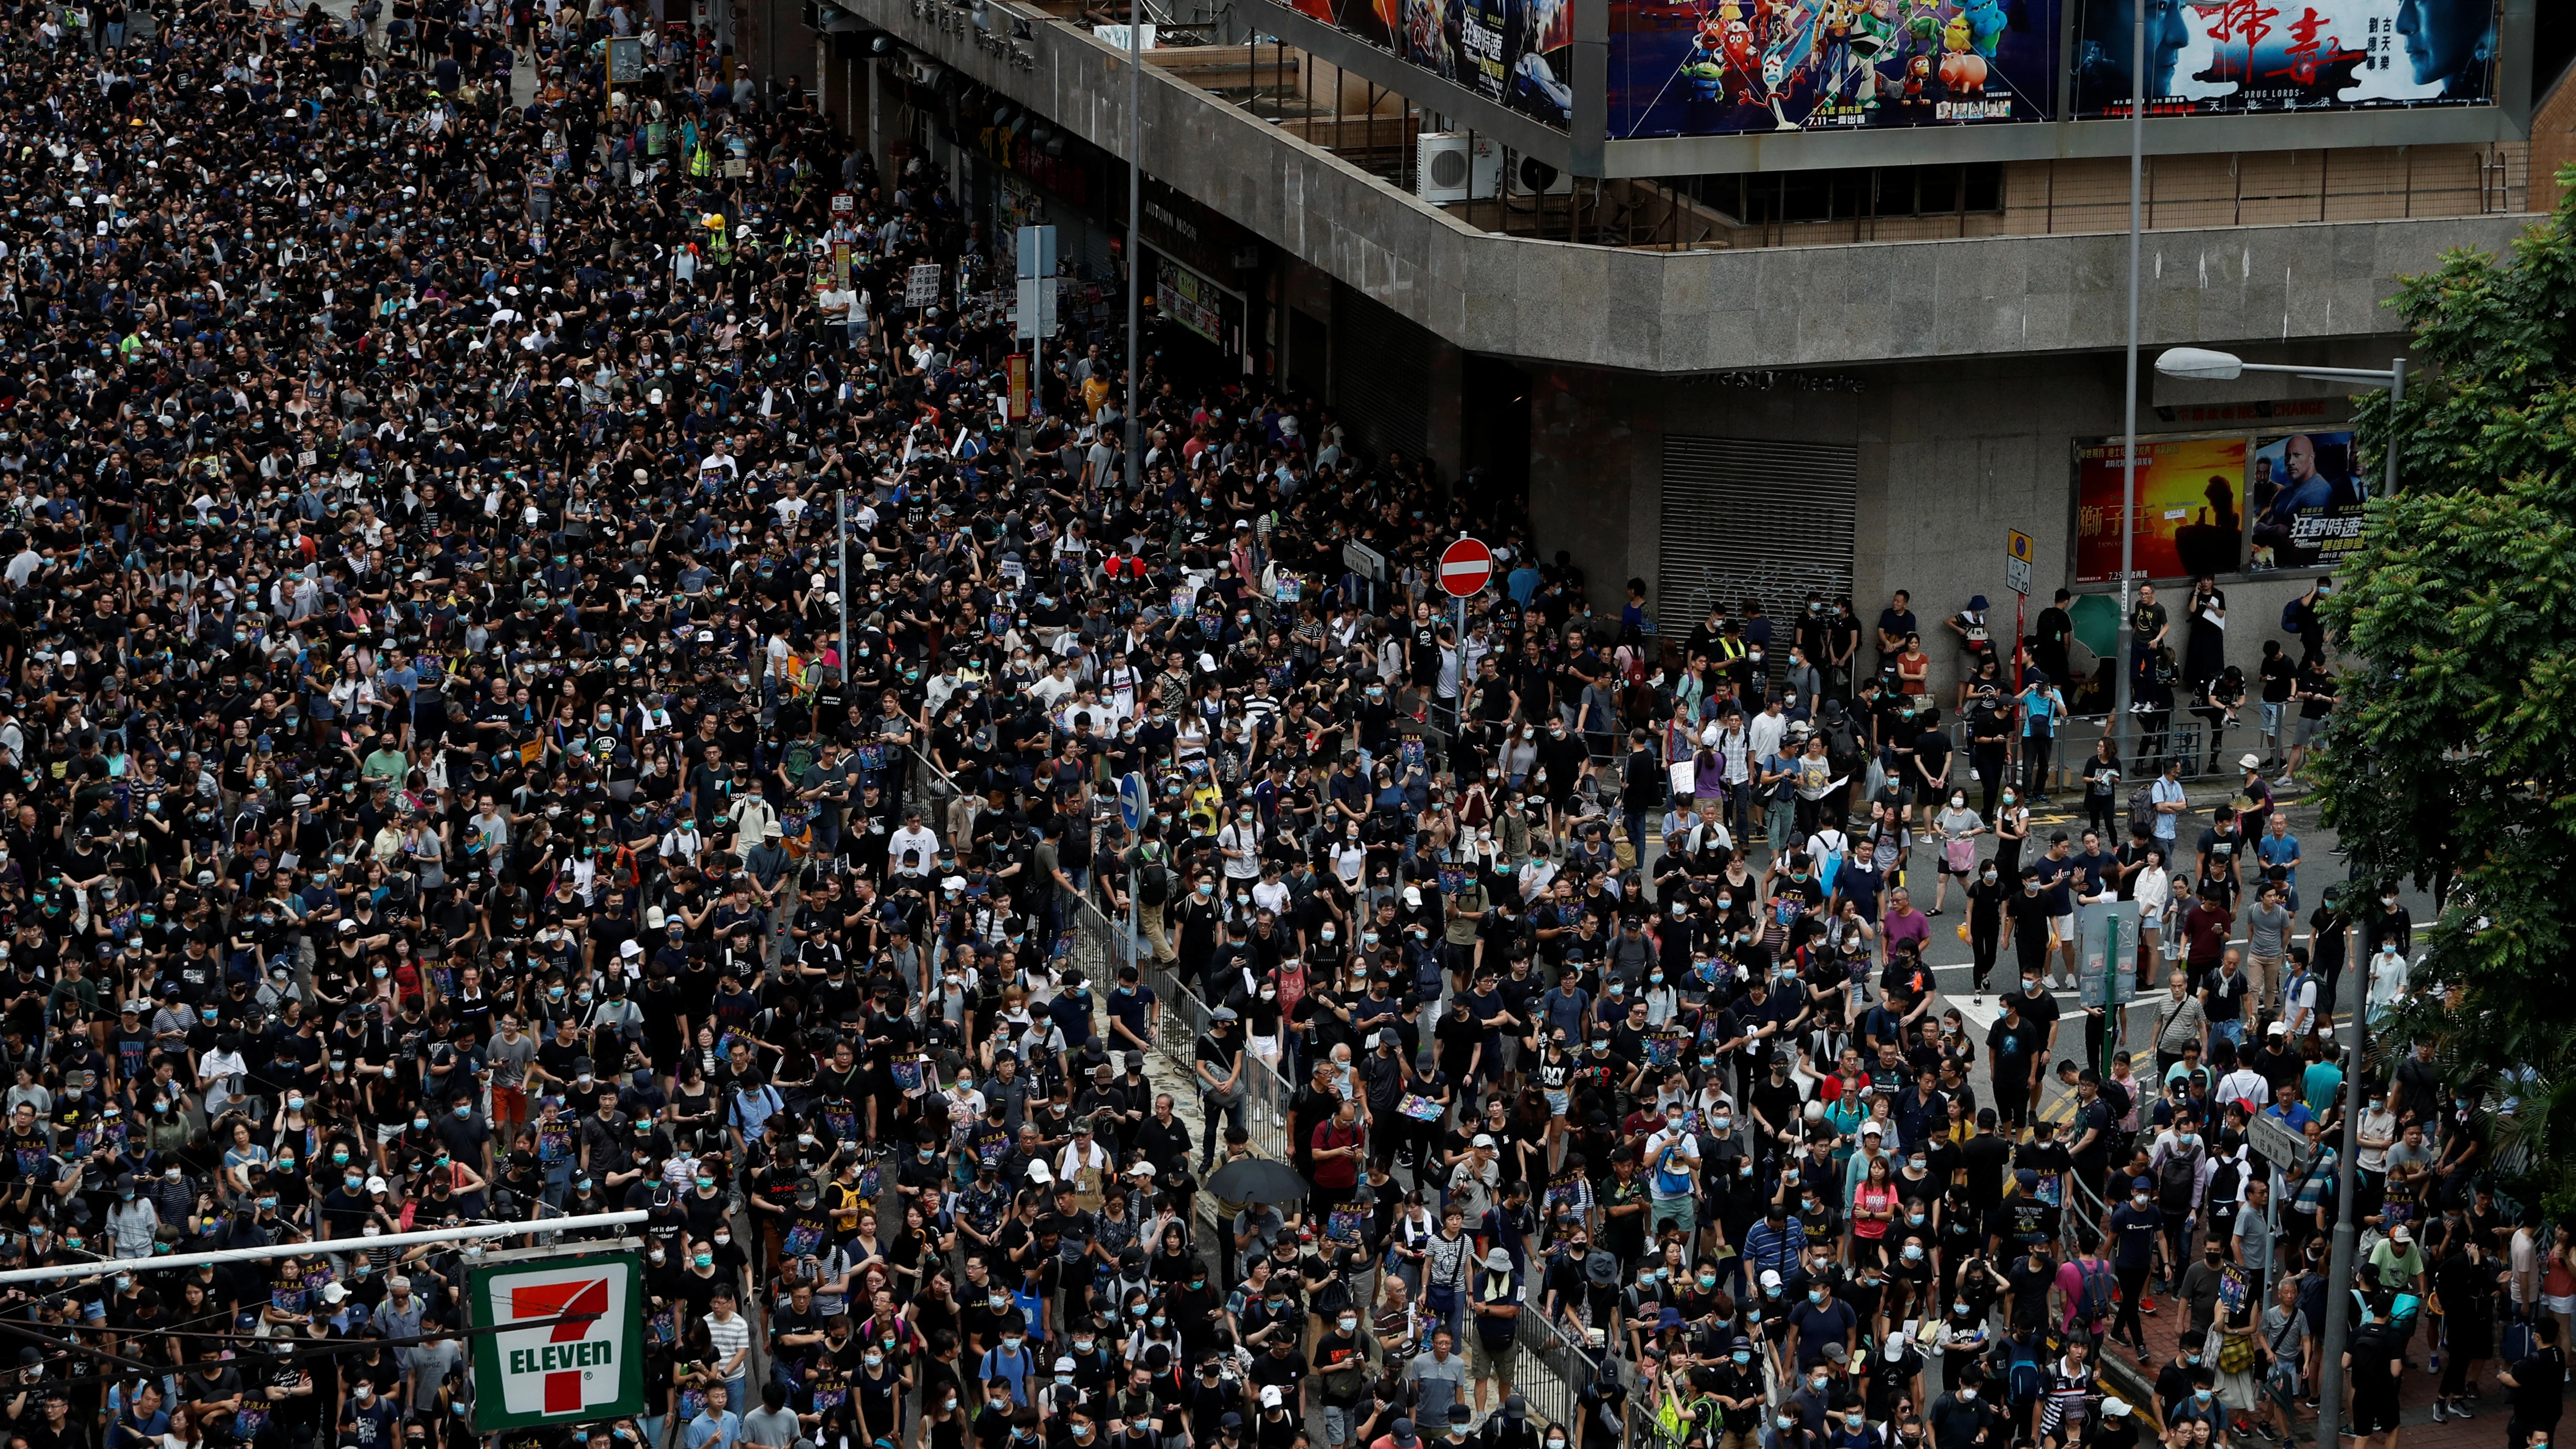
449 780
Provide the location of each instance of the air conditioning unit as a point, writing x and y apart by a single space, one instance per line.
1532 177
1452 166
926 72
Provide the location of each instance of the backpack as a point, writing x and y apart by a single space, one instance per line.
2223 1179
2100 1291
1153 884
2021 1372
2175 1179
2142 809
2292 617
1842 747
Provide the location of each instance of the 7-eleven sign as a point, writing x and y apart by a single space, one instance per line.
557 1371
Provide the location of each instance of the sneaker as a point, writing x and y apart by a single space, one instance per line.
2438 1415
2460 1409
2147 1304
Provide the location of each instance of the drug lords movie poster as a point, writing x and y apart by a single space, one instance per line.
1721 67
1512 52
2234 57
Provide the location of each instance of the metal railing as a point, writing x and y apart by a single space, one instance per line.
1550 1367
1100 946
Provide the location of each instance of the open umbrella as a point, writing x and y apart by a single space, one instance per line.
1258 1179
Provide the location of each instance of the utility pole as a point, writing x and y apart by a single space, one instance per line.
1135 218
841 533
2129 437
2125 666
2347 1235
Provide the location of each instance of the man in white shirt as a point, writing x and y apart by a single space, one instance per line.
1768 728
912 850
1054 687
1240 845
834 303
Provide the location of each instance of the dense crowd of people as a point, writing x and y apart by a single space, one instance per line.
449 781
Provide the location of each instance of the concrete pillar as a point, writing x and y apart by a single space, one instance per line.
1443 426
1584 498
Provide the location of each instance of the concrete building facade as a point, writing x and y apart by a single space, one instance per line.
1666 372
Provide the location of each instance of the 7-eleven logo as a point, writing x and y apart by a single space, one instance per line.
559 1368
556 1300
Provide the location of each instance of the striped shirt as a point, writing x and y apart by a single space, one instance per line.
729 1335
2062 1399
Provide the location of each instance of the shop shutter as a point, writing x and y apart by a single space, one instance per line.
1381 374
1747 518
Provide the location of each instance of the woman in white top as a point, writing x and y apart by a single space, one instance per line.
1190 742
1663 999
1347 858
2155 902
2387 981
1957 828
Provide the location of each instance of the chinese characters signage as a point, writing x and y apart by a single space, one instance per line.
2216 57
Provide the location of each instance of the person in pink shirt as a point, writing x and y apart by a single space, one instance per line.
1901 922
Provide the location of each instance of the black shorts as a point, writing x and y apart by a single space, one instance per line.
2370 1416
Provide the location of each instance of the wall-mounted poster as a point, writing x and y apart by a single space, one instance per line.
2305 497
1511 52
2190 515
1718 67
2224 57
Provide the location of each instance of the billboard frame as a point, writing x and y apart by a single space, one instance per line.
1588 150
2251 433
485 1356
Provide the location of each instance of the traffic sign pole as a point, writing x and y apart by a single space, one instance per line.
1458 704
1465 568
1135 807
2017 579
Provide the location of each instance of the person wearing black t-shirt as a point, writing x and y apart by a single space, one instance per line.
2026 918
2538 1383
2374 1363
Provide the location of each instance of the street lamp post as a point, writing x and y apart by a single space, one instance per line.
2204 365
2200 364
2123 671
1135 205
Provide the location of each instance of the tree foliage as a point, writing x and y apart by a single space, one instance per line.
2453 754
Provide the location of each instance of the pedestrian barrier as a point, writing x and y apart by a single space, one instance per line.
1549 1367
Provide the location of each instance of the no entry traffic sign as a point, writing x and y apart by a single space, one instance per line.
1466 568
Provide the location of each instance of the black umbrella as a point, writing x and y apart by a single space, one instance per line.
1258 1179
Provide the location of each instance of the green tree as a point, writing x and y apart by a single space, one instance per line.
2452 760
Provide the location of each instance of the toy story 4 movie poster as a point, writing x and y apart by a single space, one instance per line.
1719 67
2231 57
1512 52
